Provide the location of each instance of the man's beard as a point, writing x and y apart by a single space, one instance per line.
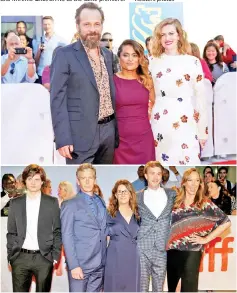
89 43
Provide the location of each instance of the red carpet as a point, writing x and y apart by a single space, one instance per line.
230 162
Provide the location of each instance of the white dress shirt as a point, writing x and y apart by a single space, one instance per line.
32 215
155 200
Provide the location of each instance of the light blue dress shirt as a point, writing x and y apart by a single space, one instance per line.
46 55
17 71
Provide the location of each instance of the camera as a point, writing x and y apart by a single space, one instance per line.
42 47
20 51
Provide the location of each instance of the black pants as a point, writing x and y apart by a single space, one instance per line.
39 79
183 265
25 266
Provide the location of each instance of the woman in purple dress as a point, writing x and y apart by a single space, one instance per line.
134 90
122 267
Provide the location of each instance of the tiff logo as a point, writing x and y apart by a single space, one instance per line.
211 250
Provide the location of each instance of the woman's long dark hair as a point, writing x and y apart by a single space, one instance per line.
218 56
142 69
223 201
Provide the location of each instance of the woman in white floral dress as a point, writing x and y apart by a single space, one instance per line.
179 117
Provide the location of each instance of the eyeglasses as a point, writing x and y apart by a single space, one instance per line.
12 68
107 40
122 192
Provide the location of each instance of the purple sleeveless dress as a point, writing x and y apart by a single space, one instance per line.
136 144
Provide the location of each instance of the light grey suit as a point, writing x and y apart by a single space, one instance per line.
152 238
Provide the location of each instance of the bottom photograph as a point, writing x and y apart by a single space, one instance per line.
91 228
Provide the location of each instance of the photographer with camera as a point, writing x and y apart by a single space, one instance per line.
18 66
43 51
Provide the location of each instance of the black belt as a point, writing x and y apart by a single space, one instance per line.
30 251
106 119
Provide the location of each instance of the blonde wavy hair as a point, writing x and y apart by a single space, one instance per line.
199 198
67 186
85 166
157 48
142 69
113 201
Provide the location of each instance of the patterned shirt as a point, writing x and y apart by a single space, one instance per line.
102 81
187 221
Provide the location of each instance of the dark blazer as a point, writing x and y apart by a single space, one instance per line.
154 231
83 235
49 227
75 97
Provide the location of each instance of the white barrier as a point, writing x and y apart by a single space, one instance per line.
217 271
27 134
208 150
57 158
225 114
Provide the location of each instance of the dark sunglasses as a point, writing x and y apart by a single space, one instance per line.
12 68
107 40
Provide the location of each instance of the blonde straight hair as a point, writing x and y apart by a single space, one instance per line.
199 198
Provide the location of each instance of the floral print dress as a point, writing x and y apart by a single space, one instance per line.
179 116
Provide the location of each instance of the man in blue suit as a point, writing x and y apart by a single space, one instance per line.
83 94
83 221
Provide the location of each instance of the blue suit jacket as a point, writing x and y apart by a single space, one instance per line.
83 236
75 97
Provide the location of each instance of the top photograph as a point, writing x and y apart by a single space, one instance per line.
158 84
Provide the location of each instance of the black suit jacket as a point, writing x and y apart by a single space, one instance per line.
49 227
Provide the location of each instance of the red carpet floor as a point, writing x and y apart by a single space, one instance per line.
230 162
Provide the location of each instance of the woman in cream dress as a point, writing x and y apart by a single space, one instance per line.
179 117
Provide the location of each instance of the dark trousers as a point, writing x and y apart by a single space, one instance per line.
183 265
27 265
39 79
102 149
